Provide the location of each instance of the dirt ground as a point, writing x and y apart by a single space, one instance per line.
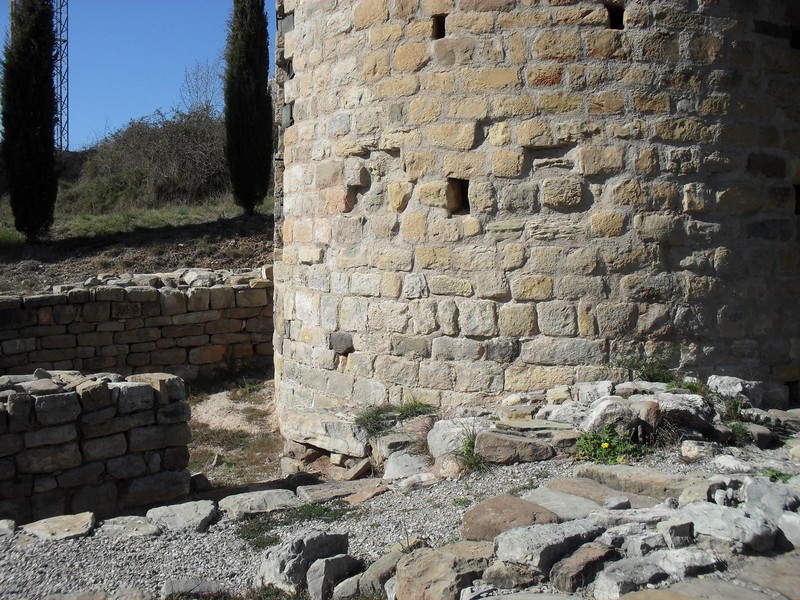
236 243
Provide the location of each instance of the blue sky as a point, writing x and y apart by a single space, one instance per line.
127 58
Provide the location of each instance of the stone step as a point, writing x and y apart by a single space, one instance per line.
597 492
566 506
639 480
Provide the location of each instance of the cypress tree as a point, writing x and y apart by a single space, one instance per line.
29 116
248 105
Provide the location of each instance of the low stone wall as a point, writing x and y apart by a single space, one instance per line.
105 444
181 323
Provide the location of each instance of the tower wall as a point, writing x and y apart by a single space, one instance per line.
484 197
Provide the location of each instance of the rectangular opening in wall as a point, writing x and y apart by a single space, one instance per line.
289 70
616 14
458 196
797 199
794 41
287 115
439 30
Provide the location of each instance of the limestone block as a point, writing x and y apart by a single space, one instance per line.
607 224
682 130
535 134
487 519
159 436
48 459
601 160
544 350
459 136
152 489
370 12
477 318
518 320
132 396
449 286
285 566
398 195
557 318
104 447
563 193
411 56
534 287
558 45
507 163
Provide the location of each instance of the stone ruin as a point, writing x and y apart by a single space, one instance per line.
101 443
486 197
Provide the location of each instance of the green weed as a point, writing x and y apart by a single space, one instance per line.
775 475
376 420
606 447
740 436
472 460
646 368
462 502
257 529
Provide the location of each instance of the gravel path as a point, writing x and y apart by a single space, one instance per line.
34 569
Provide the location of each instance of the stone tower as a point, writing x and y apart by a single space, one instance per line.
483 197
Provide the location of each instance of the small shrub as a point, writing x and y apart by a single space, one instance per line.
731 408
472 460
462 502
740 436
775 475
606 447
647 368
376 420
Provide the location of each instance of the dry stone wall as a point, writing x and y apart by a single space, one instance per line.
182 323
105 444
483 197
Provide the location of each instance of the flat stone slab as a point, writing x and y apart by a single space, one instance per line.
129 527
191 587
639 480
780 574
323 492
703 589
533 425
596 492
189 516
237 506
487 519
61 528
566 506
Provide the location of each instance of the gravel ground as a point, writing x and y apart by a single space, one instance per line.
34 569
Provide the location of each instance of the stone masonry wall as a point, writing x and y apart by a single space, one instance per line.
484 197
70 444
129 327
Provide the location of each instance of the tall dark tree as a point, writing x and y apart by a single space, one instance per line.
29 116
248 105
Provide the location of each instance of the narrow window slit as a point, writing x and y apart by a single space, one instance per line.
439 30
794 41
458 196
616 16
797 199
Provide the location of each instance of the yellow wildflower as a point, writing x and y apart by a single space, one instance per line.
604 445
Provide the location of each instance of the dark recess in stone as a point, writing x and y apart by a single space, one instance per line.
616 16
459 188
439 30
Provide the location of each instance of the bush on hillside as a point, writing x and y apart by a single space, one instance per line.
153 161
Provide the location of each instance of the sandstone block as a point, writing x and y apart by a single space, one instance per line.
557 318
460 136
487 519
601 160
607 224
535 134
563 194
682 130
518 320
504 449
534 287
558 45
507 163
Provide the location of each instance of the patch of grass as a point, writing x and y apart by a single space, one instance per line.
776 475
653 368
606 447
731 408
257 529
247 391
462 502
376 420
472 460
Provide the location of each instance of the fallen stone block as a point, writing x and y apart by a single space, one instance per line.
285 566
325 573
541 546
61 528
239 505
189 516
566 506
374 579
579 569
731 525
626 575
129 527
487 519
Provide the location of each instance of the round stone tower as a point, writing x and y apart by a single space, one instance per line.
483 197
